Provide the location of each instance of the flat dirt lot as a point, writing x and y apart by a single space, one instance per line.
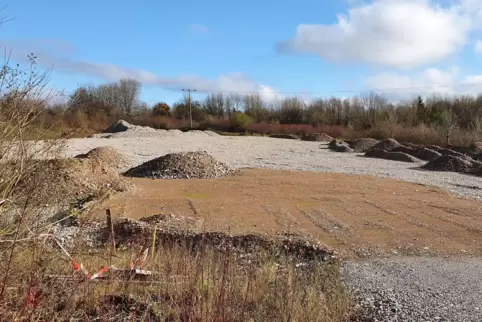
358 215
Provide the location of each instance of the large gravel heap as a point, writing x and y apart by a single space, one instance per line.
186 165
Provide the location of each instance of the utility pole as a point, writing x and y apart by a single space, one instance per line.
190 111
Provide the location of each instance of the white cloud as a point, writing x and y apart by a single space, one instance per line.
400 86
478 47
198 28
397 33
230 82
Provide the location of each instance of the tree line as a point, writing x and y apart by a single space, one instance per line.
100 105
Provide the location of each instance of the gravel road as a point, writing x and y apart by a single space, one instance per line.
418 289
263 152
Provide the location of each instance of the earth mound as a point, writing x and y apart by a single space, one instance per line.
387 145
185 165
452 164
317 137
394 156
65 181
339 146
445 151
107 155
363 144
427 154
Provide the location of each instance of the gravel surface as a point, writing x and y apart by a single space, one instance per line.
264 152
417 289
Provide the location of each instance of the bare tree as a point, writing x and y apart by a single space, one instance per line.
233 102
129 91
448 122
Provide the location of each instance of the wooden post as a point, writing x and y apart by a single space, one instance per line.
110 228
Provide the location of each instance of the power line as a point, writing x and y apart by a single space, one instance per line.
318 93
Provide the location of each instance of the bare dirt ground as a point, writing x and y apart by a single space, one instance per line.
360 216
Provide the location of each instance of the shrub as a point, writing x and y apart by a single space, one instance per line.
240 121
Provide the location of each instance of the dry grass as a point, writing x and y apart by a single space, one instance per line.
207 285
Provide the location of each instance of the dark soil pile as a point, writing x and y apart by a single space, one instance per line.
387 145
427 154
453 164
445 151
186 165
394 156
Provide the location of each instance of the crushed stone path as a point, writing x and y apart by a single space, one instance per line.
417 288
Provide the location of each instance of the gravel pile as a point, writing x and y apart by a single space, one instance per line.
416 289
452 164
187 165
388 155
362 144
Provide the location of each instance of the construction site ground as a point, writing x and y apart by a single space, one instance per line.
358 215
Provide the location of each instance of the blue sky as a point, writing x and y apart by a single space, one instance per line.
306 47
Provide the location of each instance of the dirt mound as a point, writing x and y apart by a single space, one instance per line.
130 232
186 165
388 155
284 136
317 137
363 144
387 145
106 154
445 151
419 153
339 146
452 164
65 181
